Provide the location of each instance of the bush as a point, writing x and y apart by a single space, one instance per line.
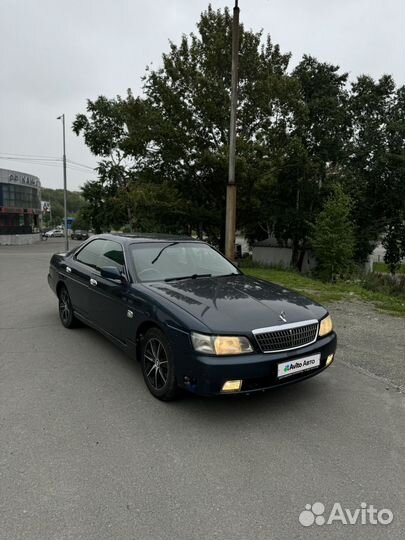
385 283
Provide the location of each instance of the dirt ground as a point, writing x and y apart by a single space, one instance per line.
371 340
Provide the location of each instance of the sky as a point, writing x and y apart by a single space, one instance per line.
54 55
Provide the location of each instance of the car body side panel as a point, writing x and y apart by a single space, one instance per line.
78 283
108 305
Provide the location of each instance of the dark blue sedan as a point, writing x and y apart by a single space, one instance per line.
192 318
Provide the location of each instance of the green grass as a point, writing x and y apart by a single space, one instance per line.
382 267
326 293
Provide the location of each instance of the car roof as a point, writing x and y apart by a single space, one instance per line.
149 237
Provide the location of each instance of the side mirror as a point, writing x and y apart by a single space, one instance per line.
112 272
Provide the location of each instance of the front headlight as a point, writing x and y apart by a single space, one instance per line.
220 345
326 326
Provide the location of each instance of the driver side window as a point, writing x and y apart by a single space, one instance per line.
112 255
90 254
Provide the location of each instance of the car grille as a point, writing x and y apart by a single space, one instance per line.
283 338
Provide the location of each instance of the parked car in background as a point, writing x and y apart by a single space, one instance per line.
55 233
79 235
191 317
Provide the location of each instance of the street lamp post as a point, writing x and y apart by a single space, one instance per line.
230 219
64 182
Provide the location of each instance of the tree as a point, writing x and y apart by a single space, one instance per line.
394 200
332 237
95 212
75 202
394 243
106 131
163 158
82 221
177 135
294 178
370 175
192 93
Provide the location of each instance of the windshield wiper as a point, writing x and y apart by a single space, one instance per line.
193 276
162 250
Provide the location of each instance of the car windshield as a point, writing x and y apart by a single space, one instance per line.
172 260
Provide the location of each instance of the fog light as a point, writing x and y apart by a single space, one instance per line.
329 360
232 386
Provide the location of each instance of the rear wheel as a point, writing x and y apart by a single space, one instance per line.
65 309
158 366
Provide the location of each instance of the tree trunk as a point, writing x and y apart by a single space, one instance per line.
295 253
301 258
129 214
298 254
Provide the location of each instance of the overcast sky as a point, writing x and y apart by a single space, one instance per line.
54 55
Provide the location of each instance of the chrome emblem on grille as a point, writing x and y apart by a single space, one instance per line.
283 316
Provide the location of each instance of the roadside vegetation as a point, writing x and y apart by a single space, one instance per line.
320 157
383 292
381 267
75 202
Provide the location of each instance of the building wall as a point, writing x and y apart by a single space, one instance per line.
280 256
20 203
272 256
241 240
18 239
379 254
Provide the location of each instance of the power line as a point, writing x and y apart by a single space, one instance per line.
33 160
24 155
29 157
81 165
49 161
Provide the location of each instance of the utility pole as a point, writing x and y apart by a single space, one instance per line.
64 182
230 220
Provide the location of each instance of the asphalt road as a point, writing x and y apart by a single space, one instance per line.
87 453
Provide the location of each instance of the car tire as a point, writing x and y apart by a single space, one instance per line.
66 313
157 362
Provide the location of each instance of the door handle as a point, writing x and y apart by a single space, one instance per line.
68 270
93 282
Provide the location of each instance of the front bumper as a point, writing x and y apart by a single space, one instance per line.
257 371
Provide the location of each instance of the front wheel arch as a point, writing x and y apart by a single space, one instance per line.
140 333
66 313
59 287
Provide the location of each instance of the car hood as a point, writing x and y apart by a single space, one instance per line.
237 303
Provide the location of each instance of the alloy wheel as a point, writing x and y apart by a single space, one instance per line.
64 306
156 363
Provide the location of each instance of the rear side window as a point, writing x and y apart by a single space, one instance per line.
91 253
112 255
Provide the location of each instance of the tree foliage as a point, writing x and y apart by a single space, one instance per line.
163 157
75 201
332 237
394 243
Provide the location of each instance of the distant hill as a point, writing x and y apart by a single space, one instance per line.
55 196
